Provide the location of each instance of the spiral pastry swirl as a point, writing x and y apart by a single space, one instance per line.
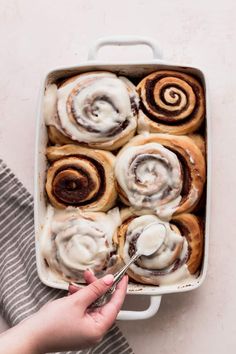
171 102
80 177
73 241
96 108
180 248
160 172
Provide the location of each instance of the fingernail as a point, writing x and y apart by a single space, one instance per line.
69 289
108 279
89 270
73 284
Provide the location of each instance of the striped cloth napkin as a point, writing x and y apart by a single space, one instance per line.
21 291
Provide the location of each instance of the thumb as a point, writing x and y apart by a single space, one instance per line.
93 291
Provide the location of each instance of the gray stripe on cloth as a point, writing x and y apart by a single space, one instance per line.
21 291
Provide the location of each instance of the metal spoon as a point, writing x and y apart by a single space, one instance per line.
117 278
141 251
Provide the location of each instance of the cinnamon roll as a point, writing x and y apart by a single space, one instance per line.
73 241
179 255
98 109
80 177
171 102
162 173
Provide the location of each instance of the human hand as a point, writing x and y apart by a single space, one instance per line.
69 324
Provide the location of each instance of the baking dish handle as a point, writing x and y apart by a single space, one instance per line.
124 40
154 305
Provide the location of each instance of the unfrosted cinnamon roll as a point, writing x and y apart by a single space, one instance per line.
180 250
171 102
73 241
162 173
80 177
98 109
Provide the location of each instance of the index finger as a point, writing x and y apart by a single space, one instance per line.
89 277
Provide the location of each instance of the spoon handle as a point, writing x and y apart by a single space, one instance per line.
119 275
117 278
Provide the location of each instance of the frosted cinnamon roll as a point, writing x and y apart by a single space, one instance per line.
80 177
162 173
179 253
171 102
98 109
73 241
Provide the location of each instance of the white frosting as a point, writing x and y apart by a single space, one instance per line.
151 239
170 248
73 241
150 176
132 92
167 210
91 107
50 103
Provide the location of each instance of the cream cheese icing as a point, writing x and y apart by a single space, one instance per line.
168 264
92 108
150 175
73 241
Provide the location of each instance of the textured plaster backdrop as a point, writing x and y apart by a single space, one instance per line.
39 35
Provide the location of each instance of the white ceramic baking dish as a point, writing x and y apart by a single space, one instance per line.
135 69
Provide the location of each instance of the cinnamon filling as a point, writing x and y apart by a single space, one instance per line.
74 186
173 95
169 116
134 106
118 129
186 176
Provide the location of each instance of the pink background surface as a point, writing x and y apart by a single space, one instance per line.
36 37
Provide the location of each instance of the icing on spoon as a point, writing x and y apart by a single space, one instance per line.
151 239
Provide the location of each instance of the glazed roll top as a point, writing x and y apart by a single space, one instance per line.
80 177
96 108
171 102
150 175
160 172
73 241
178 253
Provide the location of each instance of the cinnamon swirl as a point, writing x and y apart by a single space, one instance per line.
73 241
176 260
98 109
162 173
171 102
80 177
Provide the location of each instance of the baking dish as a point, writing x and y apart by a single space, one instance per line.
136 70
